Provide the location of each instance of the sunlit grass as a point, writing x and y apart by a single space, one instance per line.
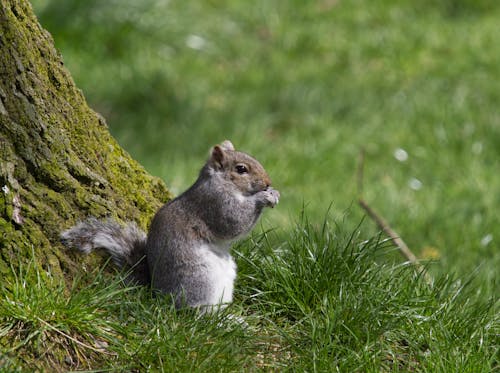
304 86
319 300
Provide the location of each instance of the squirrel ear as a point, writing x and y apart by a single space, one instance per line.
227 145
218 156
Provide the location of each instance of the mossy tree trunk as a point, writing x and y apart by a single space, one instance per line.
58 162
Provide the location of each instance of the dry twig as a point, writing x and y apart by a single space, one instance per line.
383 225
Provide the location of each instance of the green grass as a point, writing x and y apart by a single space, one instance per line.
303 86
320 301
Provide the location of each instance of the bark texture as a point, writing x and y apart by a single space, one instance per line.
58 162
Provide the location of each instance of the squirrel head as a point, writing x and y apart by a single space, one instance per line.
238 168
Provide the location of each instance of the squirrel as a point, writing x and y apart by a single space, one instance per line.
187 250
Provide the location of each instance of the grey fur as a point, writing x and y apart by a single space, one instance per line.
126 245
187 247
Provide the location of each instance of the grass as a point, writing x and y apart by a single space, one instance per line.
320 301
303 86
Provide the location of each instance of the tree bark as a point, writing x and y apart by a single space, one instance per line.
58 162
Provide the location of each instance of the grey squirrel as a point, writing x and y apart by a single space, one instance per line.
187 250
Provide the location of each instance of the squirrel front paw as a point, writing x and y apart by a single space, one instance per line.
271 197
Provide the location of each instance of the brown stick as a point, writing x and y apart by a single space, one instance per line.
384 226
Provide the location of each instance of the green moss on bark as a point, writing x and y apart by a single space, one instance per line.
58 161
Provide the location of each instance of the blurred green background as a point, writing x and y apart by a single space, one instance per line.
304 86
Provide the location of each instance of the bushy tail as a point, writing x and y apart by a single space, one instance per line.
126 244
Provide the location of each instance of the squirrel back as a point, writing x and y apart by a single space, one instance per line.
186 252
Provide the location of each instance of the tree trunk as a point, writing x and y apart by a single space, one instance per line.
58 161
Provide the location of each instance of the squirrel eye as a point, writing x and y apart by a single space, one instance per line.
241 169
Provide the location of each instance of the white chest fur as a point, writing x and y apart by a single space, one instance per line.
221 273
